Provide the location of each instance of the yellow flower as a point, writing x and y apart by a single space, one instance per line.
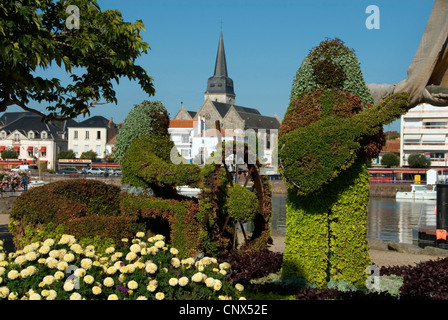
35 296
44 293
59 275
131 256
51 262
48 242
62 265
20 260
111 270
210 282
13 296
69 286
159 244
132 285
242 298
140 234
69 257
48 280
223 272
175 262
96 290
80 272
160 296
159 237
86 263
151 287
224 265
112 297
2 271
153 250
141 298
174 251
44 249
4 292
124 240
218 285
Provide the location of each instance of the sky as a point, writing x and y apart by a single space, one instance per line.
265 42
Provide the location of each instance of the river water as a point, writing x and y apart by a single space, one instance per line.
387 219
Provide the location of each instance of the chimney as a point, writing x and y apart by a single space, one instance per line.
110 123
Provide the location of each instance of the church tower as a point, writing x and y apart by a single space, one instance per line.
220 86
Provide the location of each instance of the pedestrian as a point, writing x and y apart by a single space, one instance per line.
25 182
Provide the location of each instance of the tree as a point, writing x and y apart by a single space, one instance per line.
89 155
9 154
390 160
34 36
66 154
418 160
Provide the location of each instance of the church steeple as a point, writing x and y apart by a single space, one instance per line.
220 86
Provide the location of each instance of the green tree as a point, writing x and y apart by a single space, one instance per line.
66 154
418 160
9 154
146 117
89 155
34 36
390 160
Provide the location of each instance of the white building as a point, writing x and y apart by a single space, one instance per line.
91 134
34 140
424 130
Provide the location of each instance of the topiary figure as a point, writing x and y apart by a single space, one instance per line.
329 131
146 117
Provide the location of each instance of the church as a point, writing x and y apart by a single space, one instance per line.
219 103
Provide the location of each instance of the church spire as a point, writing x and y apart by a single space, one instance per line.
221 65
220 86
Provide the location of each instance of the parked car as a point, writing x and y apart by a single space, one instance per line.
94 170
117 172
24 167
68 171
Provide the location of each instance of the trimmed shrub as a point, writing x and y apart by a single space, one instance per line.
242 204
83 207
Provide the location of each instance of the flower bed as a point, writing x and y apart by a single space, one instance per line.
62 269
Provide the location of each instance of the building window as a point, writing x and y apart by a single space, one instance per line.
98 150
75 149
185 138
44 135
87 135
75 134
435 125
31 135
3 135
98 134
16 137
86 148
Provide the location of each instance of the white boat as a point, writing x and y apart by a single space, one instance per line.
36 183
187 189
418 192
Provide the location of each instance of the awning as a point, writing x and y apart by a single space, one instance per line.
30 149
434 137
16 148
2 148
43 149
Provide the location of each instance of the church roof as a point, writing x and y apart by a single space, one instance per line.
223 108
258 121
220 82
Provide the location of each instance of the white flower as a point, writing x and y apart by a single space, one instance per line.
210 282
48 280
197 277
51 262
69 286
112 297
35 296
86 263
13 296
223 272
2 271
160 296
44 249
31 256
218 285
140 234
183 281
108 282
111 270
131 256
96 290
153 250
2 256
88 279
141 298
4 292
159 244
13 274
69 257
110 250
175 262
48 242
173 282
132 285
62 265
80 272
174 251
52 295
151 268
54 254
224 265
59 275
20 260
75 296
135 248
64 239
239 287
